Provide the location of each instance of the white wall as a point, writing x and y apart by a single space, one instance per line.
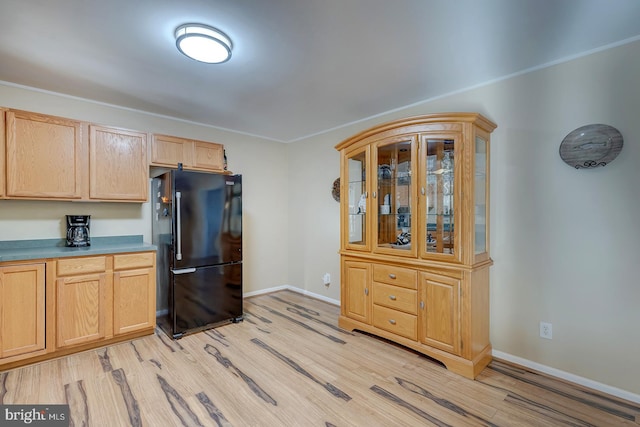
565 242
262 163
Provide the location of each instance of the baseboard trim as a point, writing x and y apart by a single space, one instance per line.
586 382
294 289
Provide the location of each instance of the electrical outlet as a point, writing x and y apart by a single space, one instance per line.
546 330
326 279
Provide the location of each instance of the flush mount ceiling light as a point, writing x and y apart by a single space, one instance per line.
203 43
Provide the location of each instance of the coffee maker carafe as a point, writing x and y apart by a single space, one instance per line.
78 230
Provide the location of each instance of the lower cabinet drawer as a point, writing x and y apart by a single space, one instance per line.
396 276
394 321
395 297
135 260
73 266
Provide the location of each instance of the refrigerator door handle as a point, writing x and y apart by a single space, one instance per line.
178 226
184 271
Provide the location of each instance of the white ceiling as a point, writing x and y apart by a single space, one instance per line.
299 67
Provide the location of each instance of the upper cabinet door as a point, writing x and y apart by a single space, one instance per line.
117 164
394 201
43 156
2 151
441 196
171 151
355 189
208 156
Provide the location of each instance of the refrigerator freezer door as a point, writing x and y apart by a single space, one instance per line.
204 297
210 219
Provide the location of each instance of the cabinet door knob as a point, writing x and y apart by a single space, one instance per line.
393 322
422 305
374 194
392 297
366 291
392 276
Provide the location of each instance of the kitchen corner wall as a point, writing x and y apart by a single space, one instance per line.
565 242
262 163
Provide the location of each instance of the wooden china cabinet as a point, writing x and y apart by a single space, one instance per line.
415 236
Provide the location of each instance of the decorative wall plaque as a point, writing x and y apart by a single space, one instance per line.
591 146
335 191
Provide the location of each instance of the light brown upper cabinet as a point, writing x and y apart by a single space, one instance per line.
117 164
170 151
54 158
2 151
208 156
44 156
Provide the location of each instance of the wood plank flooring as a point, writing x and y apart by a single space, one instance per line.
288 364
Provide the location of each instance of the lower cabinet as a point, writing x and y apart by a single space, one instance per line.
440 311
59 306
357 300
421 308
80 307
81 300
22 311
134 292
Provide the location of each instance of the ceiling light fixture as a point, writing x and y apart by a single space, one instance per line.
203 43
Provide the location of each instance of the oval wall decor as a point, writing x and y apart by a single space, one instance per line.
335 191
591 146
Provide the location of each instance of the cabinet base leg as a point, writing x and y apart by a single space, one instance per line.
454 363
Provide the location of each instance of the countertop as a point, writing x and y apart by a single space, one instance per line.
21 250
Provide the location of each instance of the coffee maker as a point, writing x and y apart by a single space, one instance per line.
78 230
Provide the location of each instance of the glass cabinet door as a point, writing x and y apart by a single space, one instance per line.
480 196
356 187
439 197
394 197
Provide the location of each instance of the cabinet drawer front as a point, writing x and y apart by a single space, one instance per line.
137 260
397 322
395 297
81 265
397 276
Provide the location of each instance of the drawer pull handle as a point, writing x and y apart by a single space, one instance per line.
392 276
392 297
393 322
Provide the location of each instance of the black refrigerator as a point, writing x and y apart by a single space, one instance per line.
197 227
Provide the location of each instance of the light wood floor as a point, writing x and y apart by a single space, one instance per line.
288 364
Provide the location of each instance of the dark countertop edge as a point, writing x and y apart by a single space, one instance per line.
24 250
